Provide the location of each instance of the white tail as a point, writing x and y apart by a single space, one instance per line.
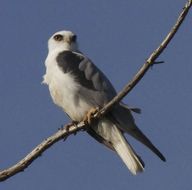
126 152
111 133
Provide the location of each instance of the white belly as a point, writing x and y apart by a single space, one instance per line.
64 92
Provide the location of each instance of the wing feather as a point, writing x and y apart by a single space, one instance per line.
92 81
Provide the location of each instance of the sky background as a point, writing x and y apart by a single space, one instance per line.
118 36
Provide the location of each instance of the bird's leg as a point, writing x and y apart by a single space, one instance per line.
73 123
67 127
89 116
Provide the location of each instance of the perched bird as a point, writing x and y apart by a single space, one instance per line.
79 87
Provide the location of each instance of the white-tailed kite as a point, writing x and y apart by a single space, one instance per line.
78 86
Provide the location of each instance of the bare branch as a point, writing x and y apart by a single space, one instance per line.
36 152
63 133
151 60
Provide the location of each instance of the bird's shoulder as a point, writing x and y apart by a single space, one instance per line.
84 71
68 60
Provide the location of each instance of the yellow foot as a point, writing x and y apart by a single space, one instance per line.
89 116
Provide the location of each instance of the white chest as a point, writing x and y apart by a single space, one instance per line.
65 91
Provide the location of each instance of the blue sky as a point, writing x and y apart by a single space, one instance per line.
118 36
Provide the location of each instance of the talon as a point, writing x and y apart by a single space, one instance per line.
67 127
89 116
75 124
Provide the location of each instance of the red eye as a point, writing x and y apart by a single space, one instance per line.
58 37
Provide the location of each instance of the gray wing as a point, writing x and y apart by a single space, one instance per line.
125 121
97 90
95 86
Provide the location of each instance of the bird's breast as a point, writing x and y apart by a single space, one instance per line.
64 91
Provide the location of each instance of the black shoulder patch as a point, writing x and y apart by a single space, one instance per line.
75 63
68 61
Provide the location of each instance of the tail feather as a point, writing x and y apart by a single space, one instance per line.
123 116
109 131
138 134
127 154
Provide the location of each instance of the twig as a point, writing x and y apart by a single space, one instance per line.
62 133
36 152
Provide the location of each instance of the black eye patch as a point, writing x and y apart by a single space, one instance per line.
58 37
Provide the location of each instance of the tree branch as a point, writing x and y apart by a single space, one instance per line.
64 132
151 60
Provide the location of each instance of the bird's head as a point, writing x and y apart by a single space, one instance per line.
63 40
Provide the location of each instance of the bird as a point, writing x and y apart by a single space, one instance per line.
80 88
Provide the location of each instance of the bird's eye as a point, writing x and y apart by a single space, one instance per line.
74 38
58 37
